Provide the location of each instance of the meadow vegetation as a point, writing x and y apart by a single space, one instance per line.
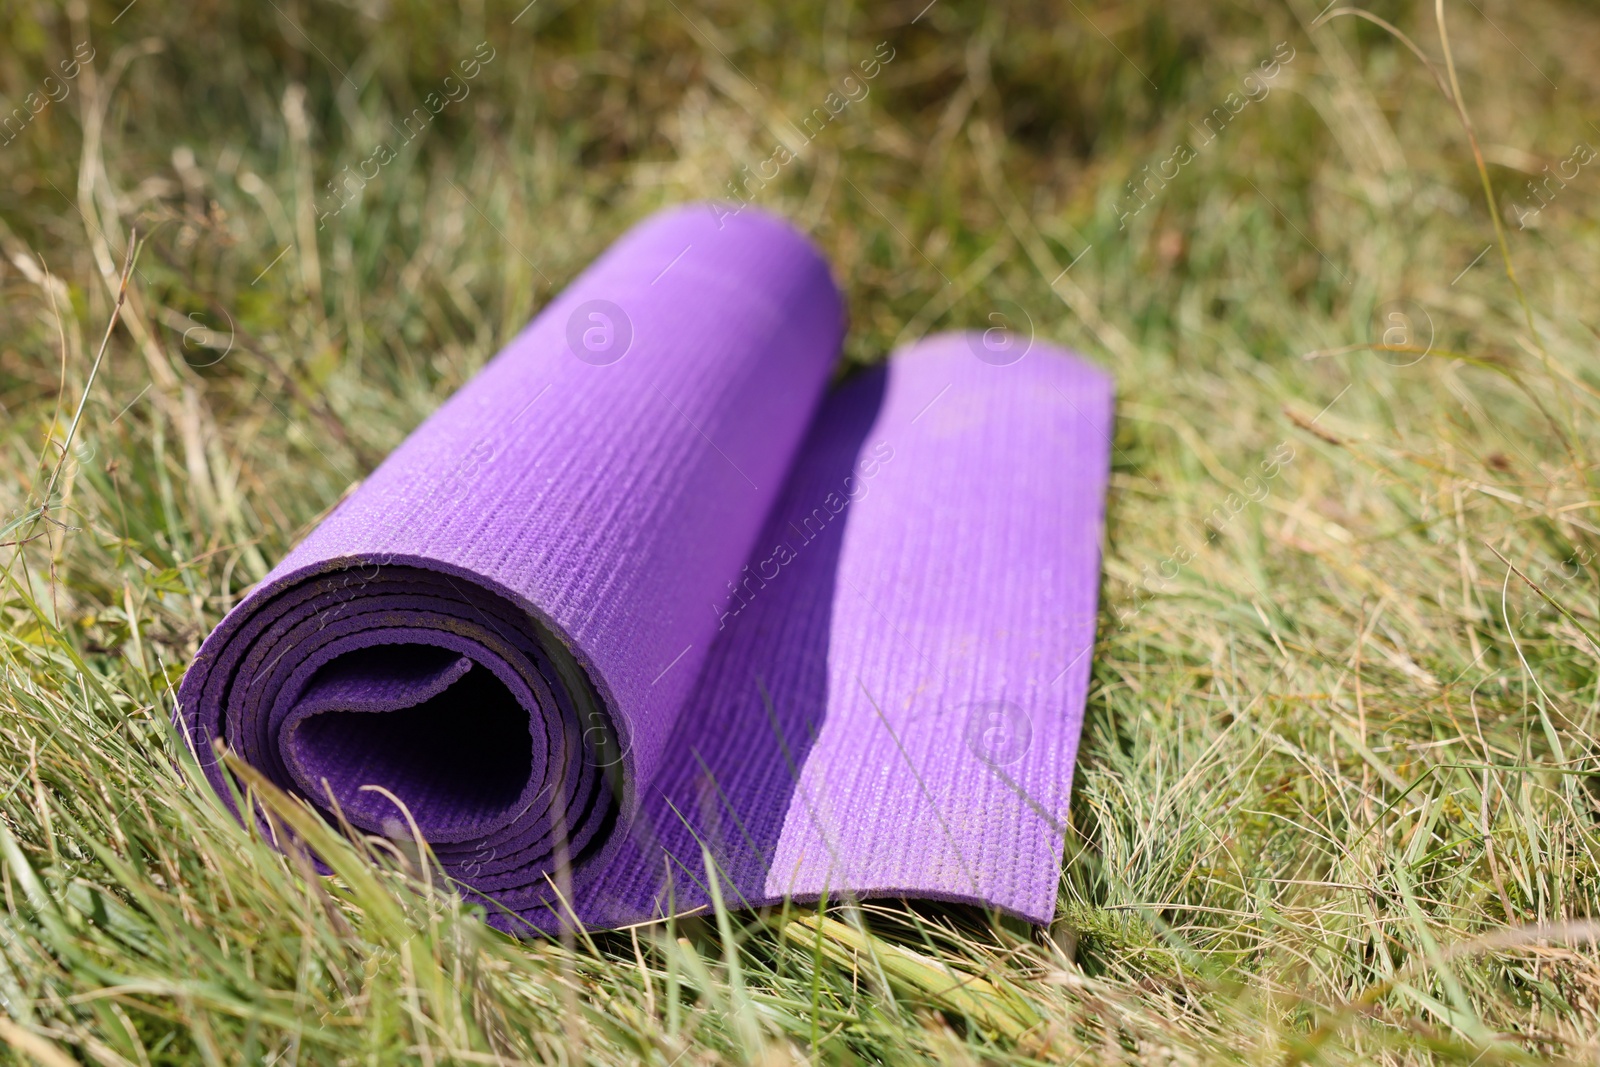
1337 798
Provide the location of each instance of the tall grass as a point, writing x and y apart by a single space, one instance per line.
1336 801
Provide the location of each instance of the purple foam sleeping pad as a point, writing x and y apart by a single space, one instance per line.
644 604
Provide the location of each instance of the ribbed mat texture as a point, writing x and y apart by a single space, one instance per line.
645 604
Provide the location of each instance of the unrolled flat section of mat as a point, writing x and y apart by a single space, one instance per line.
894 700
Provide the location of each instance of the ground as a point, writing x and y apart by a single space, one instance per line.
1336 799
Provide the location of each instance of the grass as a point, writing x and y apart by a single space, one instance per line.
1337 798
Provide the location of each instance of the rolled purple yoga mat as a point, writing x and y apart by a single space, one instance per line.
638 607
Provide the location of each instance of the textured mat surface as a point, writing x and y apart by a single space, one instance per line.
640 604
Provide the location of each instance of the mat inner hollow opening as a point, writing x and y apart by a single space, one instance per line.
458 760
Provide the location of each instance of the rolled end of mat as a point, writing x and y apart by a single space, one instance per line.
492 639
401 699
